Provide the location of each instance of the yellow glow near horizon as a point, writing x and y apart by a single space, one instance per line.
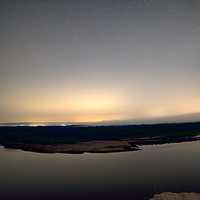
94 107
95 103
87 103
87 107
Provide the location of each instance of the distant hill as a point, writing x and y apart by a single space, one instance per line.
192 117
185 118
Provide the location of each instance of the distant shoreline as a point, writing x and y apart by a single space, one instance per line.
95 146
100 139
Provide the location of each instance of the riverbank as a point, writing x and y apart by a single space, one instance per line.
97 146
176 196
102 146
95 139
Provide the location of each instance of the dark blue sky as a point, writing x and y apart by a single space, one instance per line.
98 59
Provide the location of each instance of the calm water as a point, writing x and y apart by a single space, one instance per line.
129 175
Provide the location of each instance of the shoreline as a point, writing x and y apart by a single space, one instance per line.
177 196
93 146
96 146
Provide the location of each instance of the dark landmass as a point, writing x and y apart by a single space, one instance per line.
176 196
96 139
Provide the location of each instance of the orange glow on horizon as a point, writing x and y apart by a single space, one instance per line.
95 107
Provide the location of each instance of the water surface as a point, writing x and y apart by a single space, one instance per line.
128 175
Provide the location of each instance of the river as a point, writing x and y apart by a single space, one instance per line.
126 175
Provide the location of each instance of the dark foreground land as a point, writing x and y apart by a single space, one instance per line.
96 139
176 196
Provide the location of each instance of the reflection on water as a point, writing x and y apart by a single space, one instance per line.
134 175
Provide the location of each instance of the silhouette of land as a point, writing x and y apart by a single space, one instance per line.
176 196
98 139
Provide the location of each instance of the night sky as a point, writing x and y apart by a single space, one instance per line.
93 60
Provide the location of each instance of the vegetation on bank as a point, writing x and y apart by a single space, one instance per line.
74 134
